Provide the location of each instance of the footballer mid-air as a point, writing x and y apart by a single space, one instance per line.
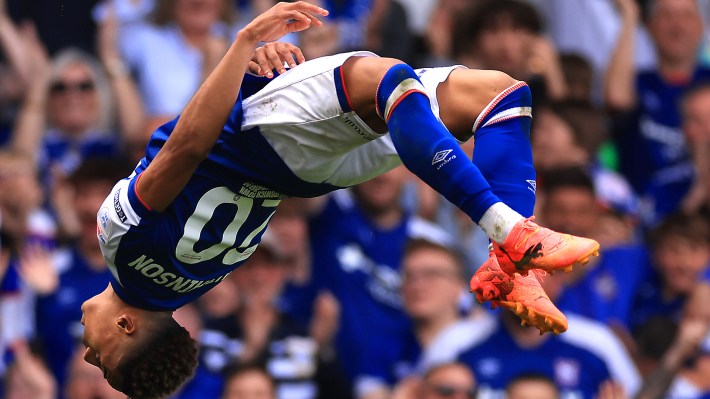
196 206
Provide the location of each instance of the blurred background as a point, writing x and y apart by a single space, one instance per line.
365 295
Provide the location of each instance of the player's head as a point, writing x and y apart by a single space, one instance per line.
144 354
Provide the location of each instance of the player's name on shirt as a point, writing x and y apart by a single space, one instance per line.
256 191
151 270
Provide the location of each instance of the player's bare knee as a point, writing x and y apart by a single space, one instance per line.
362 76
499 81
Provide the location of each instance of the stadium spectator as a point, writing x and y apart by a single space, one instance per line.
249 382
653 153
182 34
259 333
438 33
24 227
675 358
432 285
579 77
593 36
681 255
573 134
604 289
450 380
506 35
578 361
360 266
66 114
63 281
532 386
696 129
28 377
68 111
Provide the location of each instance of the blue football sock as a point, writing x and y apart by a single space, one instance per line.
426 147
502 152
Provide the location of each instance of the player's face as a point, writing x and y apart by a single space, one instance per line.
431 284
101 338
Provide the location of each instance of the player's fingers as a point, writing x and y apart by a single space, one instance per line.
300 59
297 22
263 63
307 7
254 68
274 58
315 21
286 53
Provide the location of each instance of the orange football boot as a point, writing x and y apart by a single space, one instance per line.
522 295
530 246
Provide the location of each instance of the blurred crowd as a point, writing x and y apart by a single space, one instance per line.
363 294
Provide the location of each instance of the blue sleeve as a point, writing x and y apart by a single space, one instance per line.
252 84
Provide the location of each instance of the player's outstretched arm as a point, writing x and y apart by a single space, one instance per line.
205 115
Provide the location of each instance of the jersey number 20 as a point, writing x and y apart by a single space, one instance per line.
204 211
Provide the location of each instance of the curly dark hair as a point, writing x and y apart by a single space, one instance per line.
159 364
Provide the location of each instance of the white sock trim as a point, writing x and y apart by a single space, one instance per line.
498 221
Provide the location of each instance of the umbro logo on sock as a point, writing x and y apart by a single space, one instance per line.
440 156
533 185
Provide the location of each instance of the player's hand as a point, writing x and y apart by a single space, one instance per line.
273 56
281 19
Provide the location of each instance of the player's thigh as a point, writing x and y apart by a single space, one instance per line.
361 76
465 94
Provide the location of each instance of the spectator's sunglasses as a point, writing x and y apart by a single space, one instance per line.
84 86
448 391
